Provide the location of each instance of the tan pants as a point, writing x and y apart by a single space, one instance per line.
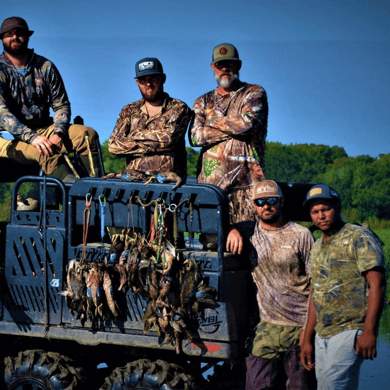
25 153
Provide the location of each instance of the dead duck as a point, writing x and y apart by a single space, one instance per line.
94 291
75 293
163 177
28 204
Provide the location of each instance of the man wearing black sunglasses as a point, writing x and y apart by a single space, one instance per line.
231 127
150 132
279 253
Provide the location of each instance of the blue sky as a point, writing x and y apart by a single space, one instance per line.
324 64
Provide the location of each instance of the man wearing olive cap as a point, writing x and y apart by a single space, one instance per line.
29 85
231 127
150 132
279 253
348 285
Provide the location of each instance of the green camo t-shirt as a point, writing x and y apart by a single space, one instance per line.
340 290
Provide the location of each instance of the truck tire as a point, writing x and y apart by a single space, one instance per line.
144 374
41 370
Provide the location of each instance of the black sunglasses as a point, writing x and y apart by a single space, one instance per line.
269 202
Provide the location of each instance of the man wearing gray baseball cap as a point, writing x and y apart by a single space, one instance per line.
29 85
150 132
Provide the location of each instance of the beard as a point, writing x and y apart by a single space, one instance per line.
272 218
152 95
16 46
226 82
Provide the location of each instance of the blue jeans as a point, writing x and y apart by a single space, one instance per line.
337 365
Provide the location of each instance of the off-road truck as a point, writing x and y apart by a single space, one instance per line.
53 337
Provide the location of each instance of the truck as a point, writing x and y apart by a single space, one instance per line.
79 312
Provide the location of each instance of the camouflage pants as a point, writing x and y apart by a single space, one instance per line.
274 360
25 153
241 205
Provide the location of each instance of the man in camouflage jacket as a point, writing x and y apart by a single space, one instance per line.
29 85
150 132
279 252
348 286
231 126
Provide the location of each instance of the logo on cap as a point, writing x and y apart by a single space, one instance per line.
223 51
146 66
264 189
315 191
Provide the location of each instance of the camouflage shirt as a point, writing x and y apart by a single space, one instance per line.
231 130
153 143
280 270
25 101
340 290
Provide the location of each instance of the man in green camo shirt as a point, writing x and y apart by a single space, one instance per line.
231 127
348 285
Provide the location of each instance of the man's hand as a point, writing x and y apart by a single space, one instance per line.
44 145
366 345
307 355
234 242
57 142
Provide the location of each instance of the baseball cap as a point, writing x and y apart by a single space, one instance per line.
266 189
146 66
321 191
14 22
223 52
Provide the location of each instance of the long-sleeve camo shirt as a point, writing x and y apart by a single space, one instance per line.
153 143
25 101
231 130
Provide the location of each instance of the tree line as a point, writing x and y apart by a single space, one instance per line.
363 182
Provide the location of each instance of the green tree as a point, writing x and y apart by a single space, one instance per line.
363 183
300 162
111 162
192 161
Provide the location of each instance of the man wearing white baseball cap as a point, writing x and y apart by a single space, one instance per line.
279 253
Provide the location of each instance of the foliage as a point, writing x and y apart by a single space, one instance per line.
111 162
363 183
384 235
192 161
300 162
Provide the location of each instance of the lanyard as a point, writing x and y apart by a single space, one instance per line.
103 203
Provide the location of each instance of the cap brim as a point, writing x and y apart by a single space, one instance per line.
226 59
29 33
149 73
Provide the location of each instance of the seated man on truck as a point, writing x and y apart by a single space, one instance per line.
150 132
29 85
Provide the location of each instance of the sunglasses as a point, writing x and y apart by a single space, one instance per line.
151 79
269 202
225 64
